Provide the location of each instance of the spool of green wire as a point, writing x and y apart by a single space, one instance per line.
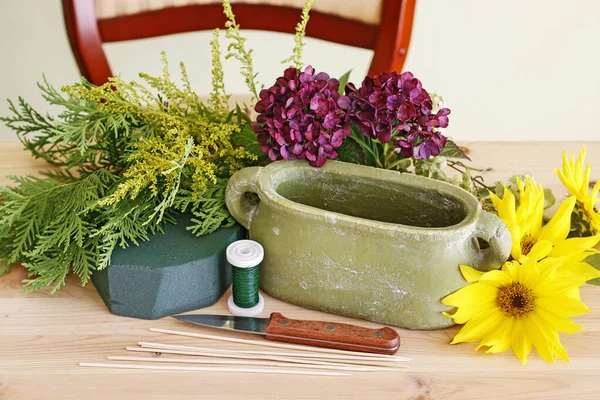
245 286
245 257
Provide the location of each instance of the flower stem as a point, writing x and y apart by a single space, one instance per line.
477 179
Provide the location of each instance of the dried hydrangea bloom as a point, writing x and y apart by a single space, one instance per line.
392 106
300 118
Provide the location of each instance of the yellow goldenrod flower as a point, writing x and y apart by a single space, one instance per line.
521 306
525 224
577 181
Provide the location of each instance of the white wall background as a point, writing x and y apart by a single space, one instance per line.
509 70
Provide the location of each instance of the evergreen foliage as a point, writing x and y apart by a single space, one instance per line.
49 227
127 156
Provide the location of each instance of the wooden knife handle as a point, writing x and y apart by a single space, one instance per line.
332 335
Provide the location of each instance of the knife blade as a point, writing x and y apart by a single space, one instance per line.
332 335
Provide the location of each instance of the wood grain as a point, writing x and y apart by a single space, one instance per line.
332 335
43 337
196 360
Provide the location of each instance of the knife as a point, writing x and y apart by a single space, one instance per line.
332 335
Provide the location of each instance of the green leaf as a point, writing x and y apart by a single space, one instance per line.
594 261
229 117
247 139
343 82
401 164
366 143
238 112
351 152
549 198
451 150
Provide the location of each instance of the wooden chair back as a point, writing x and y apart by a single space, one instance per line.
386 29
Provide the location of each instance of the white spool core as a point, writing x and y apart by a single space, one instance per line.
246 312
245 254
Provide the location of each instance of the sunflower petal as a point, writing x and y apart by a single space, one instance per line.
573 176
574 245
463 314
576 258
550 338
479 326
585 184
561 284
499 340
512 268
471 294
529 273
506 207
579 169
561 324
554 341
561 306
559 225
581 272
497 278
495 199
516 234
560 350
539 340
469 273
546 276
540 250
562 175
536 212
566 163
573 293
521 344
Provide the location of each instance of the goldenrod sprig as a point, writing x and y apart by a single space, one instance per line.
296 57
237 49
218 97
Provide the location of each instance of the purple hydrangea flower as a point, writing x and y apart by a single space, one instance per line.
396 106
300 117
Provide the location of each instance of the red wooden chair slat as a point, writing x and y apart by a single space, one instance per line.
389 40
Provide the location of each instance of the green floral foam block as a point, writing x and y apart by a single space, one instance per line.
171 273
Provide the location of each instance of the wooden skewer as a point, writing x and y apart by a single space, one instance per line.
215 369
262 352
280 345
259 357
249 362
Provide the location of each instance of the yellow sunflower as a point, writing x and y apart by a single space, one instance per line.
522 305
525 224
577 181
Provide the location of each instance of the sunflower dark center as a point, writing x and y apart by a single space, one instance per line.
527 243
516 300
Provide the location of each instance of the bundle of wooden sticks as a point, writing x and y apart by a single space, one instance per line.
288 359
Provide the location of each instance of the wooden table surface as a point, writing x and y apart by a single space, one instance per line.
43 337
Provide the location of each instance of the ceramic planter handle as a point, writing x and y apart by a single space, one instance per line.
242 182
491 229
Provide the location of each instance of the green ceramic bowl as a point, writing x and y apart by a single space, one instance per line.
364 242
